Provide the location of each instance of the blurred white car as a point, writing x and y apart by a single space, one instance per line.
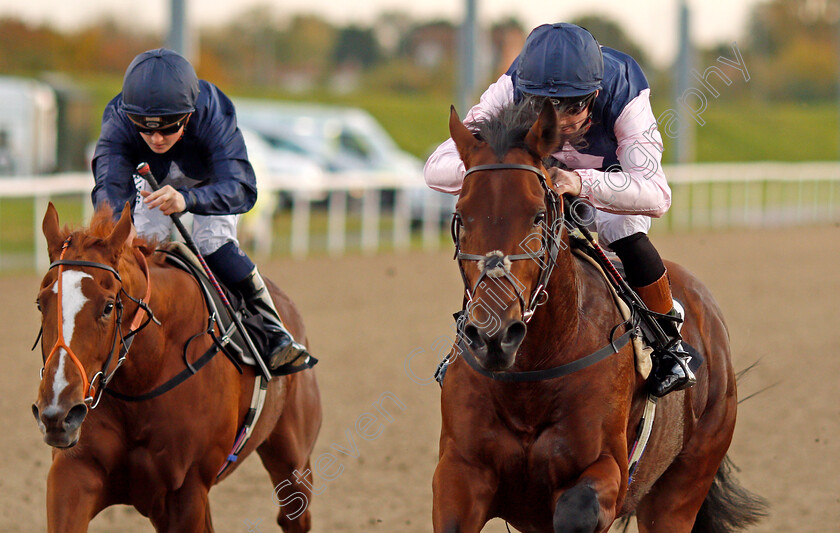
337 138
347 144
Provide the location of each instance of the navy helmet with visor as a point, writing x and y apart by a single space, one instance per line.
561 61
160 87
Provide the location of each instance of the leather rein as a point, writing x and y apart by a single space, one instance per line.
94 393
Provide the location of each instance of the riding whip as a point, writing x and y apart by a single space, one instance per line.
145 172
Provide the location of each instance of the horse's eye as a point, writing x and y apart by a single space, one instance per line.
38 304
539 218
109 308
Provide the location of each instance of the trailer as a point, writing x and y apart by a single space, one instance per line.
28 127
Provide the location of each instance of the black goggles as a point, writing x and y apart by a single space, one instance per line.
563 105
165 125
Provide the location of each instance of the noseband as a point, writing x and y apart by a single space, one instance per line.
94 394
496 264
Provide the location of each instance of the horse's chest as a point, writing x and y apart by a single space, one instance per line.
164 456
546 456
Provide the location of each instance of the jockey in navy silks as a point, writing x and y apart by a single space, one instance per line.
612 148
185 128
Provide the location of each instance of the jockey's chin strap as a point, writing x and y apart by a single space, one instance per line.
496 264
94 394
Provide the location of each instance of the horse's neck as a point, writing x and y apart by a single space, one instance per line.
557 321
169 301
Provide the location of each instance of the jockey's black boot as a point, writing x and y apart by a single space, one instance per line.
670 359
670 369
282 348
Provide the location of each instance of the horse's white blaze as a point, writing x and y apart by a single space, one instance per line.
72 300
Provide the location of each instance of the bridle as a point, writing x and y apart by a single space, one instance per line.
496 264
94 394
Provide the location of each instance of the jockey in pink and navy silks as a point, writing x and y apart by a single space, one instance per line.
185 128
611 151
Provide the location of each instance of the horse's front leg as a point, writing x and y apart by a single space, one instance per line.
461 495
186 510
589 506
75 493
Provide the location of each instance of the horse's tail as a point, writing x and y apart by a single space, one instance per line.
728 506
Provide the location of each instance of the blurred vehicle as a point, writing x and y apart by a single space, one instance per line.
273 168
347 144
340 139
28 127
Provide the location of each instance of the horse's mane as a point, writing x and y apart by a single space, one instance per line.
102 223
507 129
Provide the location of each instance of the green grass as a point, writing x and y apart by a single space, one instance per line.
766 131
17 224
18 227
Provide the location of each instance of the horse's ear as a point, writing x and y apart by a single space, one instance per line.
543 135
465 141
52 232
123 231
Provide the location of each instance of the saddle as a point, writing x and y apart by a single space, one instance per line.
226 335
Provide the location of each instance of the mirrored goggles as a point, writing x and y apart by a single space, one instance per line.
165 125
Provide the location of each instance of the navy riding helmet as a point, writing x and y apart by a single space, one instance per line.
560 61
160 87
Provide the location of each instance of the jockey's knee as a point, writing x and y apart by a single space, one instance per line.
229 263
577 510
641 260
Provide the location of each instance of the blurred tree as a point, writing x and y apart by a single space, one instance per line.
307 43
390 27
355 45
792 49
610 33
507 37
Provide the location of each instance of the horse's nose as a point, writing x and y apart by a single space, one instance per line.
512 337
477 339
496 351
54 419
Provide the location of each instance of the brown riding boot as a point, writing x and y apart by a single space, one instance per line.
670 369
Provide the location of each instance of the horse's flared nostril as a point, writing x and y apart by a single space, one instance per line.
75 417
36 413
513 337
474 337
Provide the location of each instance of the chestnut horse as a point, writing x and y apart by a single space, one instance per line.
551 455
163 454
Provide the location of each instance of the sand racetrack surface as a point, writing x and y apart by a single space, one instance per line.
366 315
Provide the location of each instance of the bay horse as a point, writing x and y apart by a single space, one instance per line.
161 455
551 455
